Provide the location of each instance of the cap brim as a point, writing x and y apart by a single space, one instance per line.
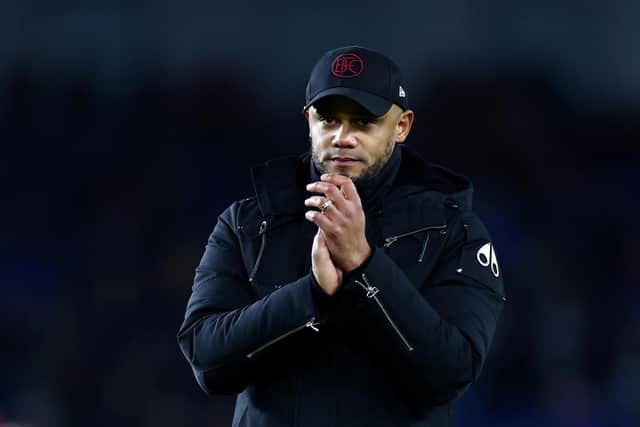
372 103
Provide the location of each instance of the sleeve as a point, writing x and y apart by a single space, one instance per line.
224 327
434 337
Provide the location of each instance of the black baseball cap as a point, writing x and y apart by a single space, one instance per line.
364 75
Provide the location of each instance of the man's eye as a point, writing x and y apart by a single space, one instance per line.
326 119
364 121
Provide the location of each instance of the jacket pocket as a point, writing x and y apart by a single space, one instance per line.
276 254
262 234
416 251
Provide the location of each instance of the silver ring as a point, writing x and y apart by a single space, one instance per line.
325 205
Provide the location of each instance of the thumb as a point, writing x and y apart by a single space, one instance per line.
320 248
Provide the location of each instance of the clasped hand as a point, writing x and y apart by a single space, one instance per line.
340 245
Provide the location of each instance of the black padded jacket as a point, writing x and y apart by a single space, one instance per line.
403 337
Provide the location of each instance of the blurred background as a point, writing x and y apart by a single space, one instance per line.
127 127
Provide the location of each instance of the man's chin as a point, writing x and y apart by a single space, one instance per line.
353 172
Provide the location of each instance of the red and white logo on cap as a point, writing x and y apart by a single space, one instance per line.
347 65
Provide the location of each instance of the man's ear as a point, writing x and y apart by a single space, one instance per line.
403 126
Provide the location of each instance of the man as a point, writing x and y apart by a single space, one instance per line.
356 288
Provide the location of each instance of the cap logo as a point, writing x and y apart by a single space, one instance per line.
401 93
347 65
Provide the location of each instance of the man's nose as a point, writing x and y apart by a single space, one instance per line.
344 136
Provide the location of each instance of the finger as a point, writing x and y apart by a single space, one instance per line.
329 190
346 185
314 246
317 202
320 236
320 250
323 222
331 211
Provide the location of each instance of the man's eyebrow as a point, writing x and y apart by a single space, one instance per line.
356 115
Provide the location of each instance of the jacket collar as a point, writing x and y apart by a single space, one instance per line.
279 185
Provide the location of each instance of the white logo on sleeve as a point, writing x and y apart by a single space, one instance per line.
487 256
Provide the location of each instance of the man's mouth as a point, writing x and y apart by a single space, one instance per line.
343 161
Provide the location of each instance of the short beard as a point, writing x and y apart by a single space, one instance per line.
366 174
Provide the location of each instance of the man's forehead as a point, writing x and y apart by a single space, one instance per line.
340 104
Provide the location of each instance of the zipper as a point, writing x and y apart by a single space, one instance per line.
424 247
310 324
371 293
391 240
261 232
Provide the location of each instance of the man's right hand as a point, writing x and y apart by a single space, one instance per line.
328 276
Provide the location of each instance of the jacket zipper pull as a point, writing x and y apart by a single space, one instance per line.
371 290
389 241
313 325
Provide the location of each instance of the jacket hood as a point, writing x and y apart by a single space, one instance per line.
279 184
417 175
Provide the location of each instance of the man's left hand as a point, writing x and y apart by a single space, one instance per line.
343 222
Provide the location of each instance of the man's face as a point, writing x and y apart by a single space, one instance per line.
348 140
